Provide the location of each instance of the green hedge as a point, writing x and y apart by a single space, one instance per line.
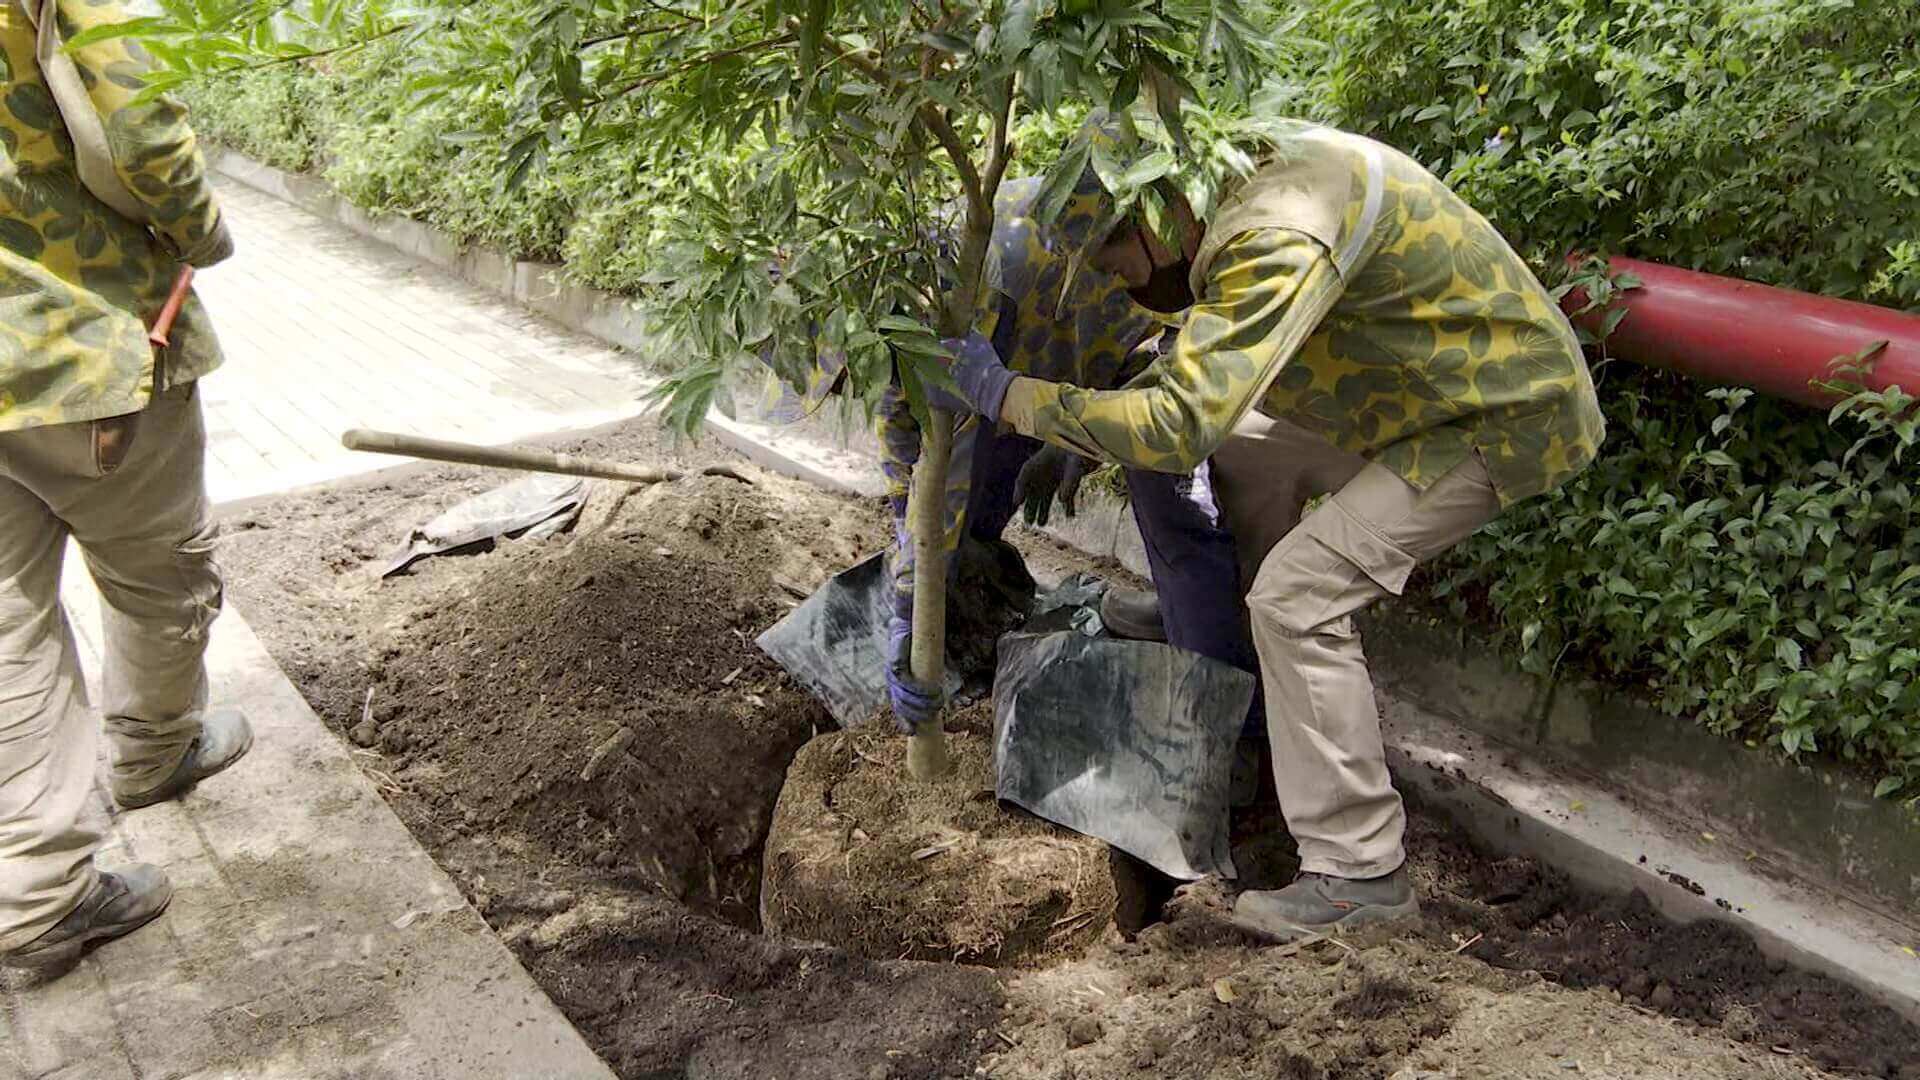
1744 563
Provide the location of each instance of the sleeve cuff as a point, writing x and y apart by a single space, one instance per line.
214 248
1017 406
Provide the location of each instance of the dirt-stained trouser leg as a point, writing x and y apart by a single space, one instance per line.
131 490
47 748
1359 545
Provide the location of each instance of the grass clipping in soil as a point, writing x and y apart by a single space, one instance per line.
865 858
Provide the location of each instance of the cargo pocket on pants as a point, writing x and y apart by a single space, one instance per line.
1384 562
202 590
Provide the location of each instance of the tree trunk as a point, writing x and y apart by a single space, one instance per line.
927 746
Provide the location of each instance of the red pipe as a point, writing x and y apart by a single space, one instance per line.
1736 332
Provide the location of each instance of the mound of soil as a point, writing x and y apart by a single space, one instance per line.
862 857
599 698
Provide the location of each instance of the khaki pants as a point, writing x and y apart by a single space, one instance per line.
131 491
1306 578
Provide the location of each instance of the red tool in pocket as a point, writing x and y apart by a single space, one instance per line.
163 322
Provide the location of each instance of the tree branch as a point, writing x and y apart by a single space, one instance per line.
869 261
314 54
935 124
685 65
665 10
1002 153
618 35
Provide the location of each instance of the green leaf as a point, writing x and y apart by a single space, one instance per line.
1060 180
1016 29
1888 786
1787 651
112 31
1166 93
1147 170
900 324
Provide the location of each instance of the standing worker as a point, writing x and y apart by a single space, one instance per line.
1094 333
1355 330
101 202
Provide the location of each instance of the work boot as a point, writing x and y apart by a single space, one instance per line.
1322 903
1132 614
225 737
118 904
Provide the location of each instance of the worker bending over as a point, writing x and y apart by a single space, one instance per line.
1353 329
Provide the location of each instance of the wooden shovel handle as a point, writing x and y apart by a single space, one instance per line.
517 457
163 322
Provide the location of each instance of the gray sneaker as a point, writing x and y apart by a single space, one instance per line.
1132 614
225 737
118 904
1322 903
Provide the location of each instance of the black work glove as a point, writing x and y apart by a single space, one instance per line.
1051 473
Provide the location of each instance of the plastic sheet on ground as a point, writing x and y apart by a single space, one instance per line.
533 508
1129 741
835 642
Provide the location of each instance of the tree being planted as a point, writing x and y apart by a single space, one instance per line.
825 172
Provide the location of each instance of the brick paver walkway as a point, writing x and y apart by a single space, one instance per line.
325 331
310 935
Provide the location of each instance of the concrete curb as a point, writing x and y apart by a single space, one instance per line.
1614 841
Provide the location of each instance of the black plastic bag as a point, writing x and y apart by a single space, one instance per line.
1129 741
835 642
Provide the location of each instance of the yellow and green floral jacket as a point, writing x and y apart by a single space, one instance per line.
81 282
1093 335
1345 289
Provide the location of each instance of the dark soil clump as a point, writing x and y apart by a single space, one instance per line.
1530 917
1377 999
662 994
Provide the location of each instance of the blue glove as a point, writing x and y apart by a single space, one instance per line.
981 377
914 704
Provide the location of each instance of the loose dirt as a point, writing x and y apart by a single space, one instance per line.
582 733
888 867
1525 916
